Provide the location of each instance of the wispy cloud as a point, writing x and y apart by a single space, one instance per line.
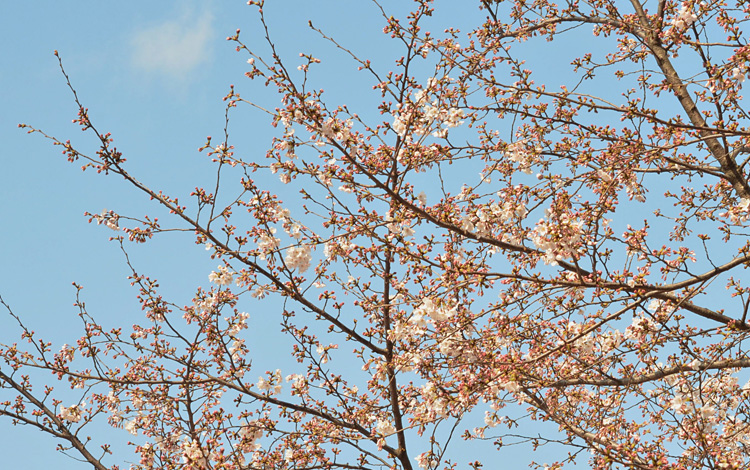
174 47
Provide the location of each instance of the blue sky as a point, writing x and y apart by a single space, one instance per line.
153 74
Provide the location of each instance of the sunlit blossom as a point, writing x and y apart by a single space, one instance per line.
221 277
684 18
298 257
72 414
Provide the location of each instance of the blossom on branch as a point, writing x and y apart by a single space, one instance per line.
72 414
298 257
685 17
221 278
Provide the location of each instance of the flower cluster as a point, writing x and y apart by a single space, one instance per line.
108 218
236 348
505 213
509 211
221 278
402 228
426 116
739 213
272 385
434 404
384 428
426 460
707 406
250 434
72 414
336 247
519 153
205 303
192 455
585 343
298 257
66 354
640 327
737 74
298 381
267 242
559 238
131 427
422 318
335 130
239 325
685 17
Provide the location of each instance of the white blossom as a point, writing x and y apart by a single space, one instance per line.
192 454
108 218
640 327
739 213
558 239
221 278
130 427
519 153
467 225
298 380
426 116
685 17
273 386
72 414
384 428
737 74
250 434
298 257
267 242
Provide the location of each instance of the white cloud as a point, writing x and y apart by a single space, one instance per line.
174 47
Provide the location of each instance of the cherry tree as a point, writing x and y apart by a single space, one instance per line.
542 221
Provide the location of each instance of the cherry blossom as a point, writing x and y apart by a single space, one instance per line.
72 414
221 277
518 250
685 17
